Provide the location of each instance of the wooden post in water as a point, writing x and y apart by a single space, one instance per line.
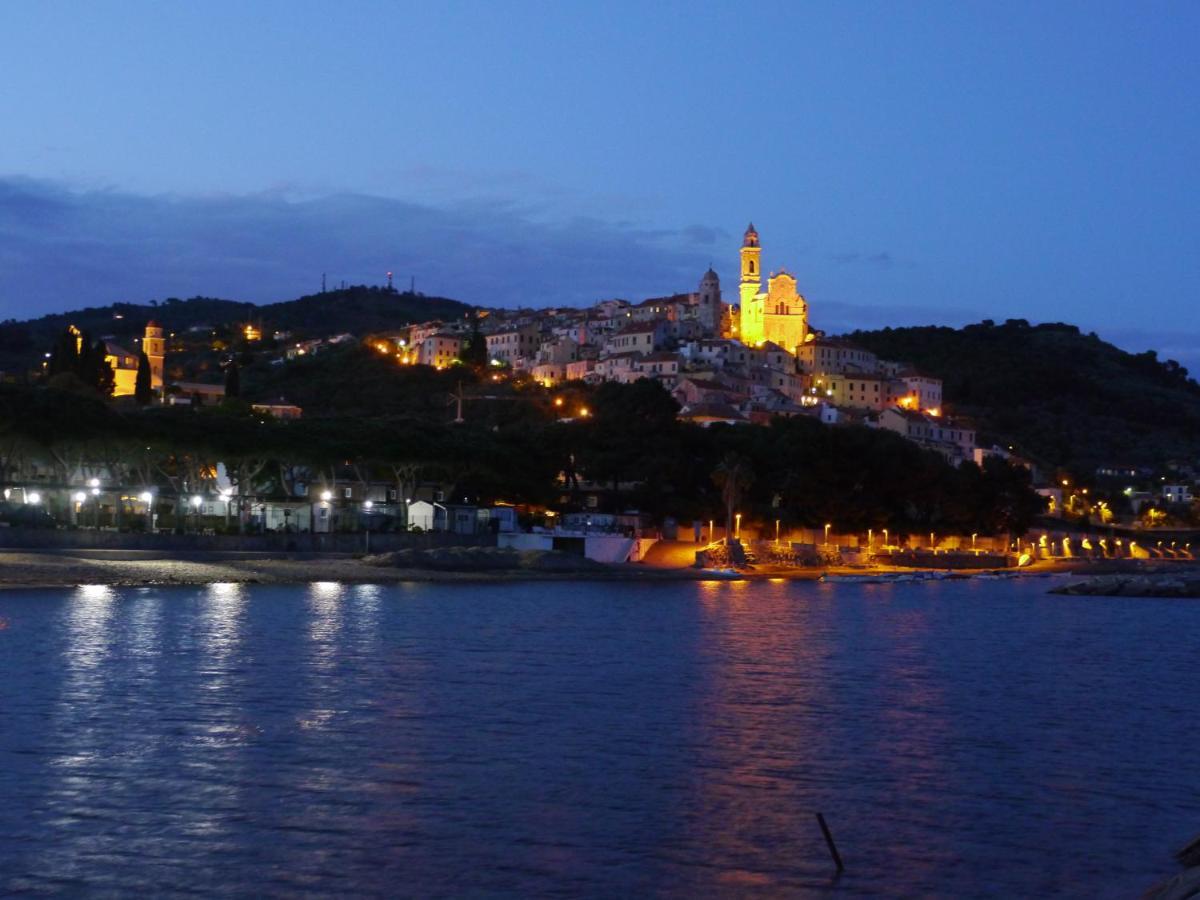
837 858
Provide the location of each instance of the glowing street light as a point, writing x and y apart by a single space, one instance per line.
737 526
368 505
326 496
34 498
197 500
93 482
79 496
828 525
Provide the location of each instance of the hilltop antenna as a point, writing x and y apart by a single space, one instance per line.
322 282
390 288
412 284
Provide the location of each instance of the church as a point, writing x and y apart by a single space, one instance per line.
779 314
124 362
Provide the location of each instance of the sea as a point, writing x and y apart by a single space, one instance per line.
973 738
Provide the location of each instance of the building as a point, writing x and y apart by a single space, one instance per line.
439 350
835 355
778 314
1176 494
513 345
954 440
124 362
280 410
643 337
195 393
849 390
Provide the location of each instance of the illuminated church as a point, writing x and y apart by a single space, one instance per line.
779 314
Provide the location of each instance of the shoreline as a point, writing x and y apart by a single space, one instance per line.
31 569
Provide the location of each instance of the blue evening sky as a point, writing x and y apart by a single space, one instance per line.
908 162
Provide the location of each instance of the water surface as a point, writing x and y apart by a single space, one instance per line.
962 738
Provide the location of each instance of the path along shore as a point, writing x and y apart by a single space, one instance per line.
68 568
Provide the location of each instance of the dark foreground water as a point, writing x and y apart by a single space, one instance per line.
963 739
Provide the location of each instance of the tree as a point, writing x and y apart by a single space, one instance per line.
64 356
233 381
143 392
93 367
474 350
732 476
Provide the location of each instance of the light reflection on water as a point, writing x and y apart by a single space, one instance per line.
963 739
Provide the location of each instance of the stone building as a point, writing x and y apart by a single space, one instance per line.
779 314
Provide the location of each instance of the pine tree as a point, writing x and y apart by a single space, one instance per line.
143 392
64 356
474 351
94 370
233 381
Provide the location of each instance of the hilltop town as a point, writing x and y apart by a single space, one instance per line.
723 362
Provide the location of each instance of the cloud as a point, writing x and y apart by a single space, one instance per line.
63 248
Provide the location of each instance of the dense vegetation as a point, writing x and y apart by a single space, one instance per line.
518 445
1068 399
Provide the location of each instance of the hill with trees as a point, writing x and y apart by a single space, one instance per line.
358 310
1067 399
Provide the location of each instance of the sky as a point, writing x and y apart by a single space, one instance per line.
931 163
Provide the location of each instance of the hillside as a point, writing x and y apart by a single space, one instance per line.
355 309
1066 398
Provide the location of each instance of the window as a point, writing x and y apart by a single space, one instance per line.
391 493
347 493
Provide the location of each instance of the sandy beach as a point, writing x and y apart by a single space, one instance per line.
59 568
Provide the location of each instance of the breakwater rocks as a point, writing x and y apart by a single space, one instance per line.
1174 585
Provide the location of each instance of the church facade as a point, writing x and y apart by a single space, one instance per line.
779 314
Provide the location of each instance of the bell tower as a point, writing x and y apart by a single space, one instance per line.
751 269
154 345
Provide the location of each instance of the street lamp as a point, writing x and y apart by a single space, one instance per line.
828 525
148 498
95 483
326 496
737 526
226 494
368 505
33 497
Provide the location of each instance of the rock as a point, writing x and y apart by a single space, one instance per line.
1132 586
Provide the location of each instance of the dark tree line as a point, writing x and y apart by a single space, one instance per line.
630 452
76 358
